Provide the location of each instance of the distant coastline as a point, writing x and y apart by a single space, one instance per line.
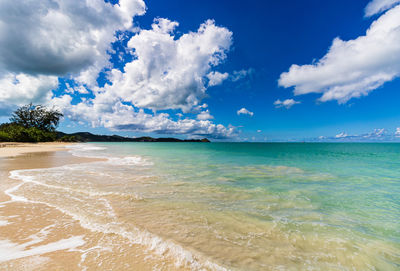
89 137
36 123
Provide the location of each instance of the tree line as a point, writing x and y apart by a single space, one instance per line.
32 123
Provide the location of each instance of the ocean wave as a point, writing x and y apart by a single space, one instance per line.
85 147
86 150
91 151
17 175
155 244
129 160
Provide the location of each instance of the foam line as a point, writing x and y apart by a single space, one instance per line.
11 251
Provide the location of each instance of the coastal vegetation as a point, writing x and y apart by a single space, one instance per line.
89 137
37 123
31 123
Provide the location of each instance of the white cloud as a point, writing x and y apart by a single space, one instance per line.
378 6
47 38
352 68
166 73
162 25
76 89
239 75
42 41
341 135
21 88
121 117
62 103
216 78
378 135
55 37
82 90
259 131
244 111
204 115
288 103
169 72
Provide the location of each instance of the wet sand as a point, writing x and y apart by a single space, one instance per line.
36 236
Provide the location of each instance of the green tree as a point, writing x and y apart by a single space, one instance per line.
37 116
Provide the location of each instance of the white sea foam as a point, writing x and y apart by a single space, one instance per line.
86 150
85 147
18 175
129 160
4 223
84 254
9 191
91 151
154 243
11 251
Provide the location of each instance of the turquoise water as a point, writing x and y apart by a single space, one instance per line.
255 206
351 186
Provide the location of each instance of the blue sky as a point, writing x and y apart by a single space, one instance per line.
220 69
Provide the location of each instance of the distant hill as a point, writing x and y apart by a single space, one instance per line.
89 137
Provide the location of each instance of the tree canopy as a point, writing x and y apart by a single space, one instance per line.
37 116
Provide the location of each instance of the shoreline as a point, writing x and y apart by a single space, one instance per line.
36 234
12 149
118 213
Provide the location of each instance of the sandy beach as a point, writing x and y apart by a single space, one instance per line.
35 235
25 227
199 135
11 149
174 206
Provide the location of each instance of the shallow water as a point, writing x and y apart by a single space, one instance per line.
245 206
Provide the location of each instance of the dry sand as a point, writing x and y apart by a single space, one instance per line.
8 149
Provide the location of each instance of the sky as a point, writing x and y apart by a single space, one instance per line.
283 70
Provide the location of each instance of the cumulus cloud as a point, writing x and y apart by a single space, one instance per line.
121 117
42 39
288 103
22 88
170 72
204 115
352 68
341 135
76 89
378 135
378 6
244 111
47 40
57 37
216 78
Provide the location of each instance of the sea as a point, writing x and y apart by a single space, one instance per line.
235 206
